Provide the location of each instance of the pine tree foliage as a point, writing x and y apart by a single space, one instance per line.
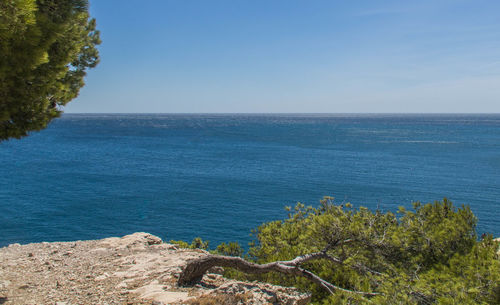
46 46
428 255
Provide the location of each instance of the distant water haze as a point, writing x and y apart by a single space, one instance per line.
179 176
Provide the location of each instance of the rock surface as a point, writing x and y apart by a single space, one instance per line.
134 269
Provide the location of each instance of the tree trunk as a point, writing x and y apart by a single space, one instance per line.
195 269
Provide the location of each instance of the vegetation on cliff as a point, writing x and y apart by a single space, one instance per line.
430 254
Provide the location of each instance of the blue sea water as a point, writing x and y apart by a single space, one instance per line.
218 176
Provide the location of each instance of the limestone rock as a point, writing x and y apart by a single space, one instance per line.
134 269
260 293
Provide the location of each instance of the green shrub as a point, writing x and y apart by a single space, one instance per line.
428 255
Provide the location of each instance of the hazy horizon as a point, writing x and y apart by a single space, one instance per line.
307 113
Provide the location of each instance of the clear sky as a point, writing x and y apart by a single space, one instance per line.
295 56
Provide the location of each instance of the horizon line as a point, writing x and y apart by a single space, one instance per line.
294 113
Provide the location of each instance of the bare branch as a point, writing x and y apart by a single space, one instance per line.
312 256
323 255
195 269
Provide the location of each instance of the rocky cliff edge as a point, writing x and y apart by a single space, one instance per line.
134 269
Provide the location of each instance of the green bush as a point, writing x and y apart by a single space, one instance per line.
428 255
197 243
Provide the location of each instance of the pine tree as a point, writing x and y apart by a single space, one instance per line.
46 46
428 255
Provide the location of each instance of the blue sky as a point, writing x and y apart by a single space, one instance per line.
170 56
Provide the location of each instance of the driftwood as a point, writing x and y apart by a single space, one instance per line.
195 269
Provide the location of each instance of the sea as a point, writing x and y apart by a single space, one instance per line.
218 176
